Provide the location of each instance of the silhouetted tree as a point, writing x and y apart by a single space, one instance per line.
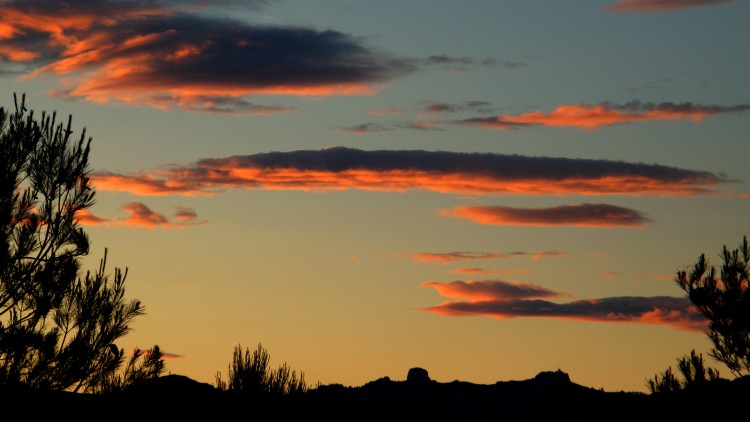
725 302
57 329
251 373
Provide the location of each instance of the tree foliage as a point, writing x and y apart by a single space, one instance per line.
725 302
57 329
251 373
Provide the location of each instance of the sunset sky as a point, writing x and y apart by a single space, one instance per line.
484 189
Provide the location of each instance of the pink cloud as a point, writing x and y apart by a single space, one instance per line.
655 6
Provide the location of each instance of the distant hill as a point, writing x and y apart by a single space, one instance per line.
549 396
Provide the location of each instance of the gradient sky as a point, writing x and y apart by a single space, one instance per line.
484 189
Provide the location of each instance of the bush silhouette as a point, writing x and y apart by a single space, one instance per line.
694 374
57 329
250 373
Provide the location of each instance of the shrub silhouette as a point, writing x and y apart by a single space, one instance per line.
694 374
57 329
725 302
250 373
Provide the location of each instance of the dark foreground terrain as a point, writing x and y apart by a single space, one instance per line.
550 396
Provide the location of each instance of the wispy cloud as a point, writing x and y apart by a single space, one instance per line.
448 257
367 128
655 6
169 356
422 125
583 215
460 63
502 299
387 111
436 107
156 54
141 216
184 214
589 117
386 170
485 271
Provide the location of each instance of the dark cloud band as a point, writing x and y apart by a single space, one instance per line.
502 299
440 171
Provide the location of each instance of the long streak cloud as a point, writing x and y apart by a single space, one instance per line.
654 6
503 300
386 170
583 215
448 257
589 117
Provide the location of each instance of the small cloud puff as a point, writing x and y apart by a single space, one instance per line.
141 216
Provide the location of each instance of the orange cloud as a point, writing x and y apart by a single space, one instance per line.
665 277
140 215
584 215
86 218
447 257
502 300
653 6
589 117
16 54
155 54
446 172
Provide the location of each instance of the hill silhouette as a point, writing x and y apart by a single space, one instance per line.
549 396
